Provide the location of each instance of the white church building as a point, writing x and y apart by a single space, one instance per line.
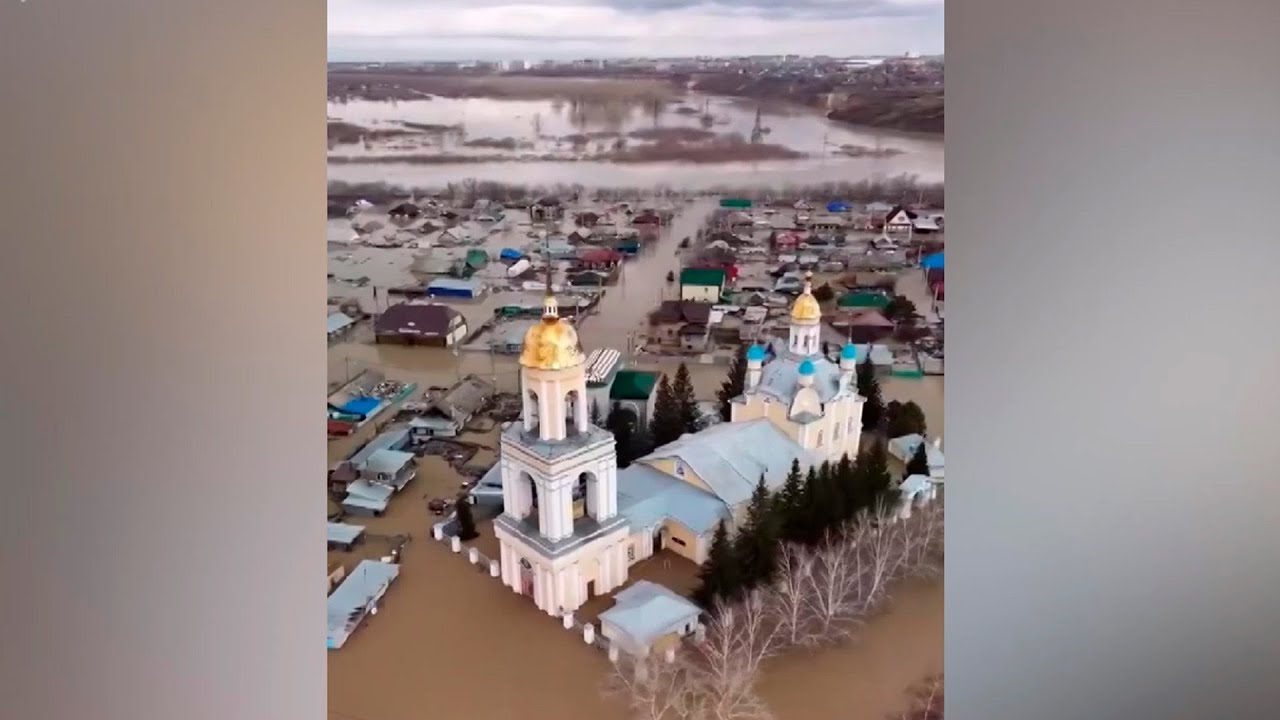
573 524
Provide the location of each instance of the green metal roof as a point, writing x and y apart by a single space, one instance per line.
633 385
702 276
864 300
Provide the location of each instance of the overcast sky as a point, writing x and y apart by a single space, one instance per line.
387 30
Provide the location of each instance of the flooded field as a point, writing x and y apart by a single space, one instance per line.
548 141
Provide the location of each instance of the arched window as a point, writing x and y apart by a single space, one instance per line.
835 432
851 431
819 438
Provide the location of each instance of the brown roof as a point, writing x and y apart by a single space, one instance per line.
674 311
415 319
871 318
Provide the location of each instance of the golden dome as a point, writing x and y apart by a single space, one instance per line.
551 344
806 308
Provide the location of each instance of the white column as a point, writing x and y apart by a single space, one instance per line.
504 563
604 578
545 515
566 511
582 415
552 596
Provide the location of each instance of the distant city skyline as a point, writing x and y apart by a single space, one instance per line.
495 30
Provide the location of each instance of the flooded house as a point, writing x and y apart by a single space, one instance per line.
899 219
864 326
704 285
451 412
430 324
546 209
635 390
404 211
586 219
455 288
666 322
602 366
340 325
648 618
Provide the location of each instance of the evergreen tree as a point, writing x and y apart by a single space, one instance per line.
756 546
719 577
466 520
788 505
919 462
873 479
807 514
667 423
735 384
622 423
904 419
869 388
595 413
843 488
682 391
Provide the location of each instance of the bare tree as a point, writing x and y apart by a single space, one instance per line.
820 595
791 596
927 701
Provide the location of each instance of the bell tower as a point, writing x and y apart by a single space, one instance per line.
559 478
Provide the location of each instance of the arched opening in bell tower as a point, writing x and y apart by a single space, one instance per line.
585 496
530 411
572 400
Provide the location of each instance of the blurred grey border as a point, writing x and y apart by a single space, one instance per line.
1113 173
1113 413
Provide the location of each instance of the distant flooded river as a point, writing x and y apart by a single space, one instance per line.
539 128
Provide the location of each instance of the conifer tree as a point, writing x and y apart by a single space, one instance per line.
904 419
788 505
756 546
807 530
667 423
869 388
919 462
719 577
622 423
682 390
466 520
595 413
843 488
874 481
735 384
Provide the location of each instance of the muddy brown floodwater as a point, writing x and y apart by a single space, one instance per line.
451 642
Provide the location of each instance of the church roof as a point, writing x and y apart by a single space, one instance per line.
730 457
647 496
780 377
646 611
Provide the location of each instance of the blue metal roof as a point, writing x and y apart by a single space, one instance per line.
730 457
806 367
338 321
647 496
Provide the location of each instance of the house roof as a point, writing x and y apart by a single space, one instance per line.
344 533
416 319
647 496
897 209
387 461
465 398
905 446
702 276
880 354
871 318
731 457
601 363
355 593
338 321
646 611
391 439
674 311
368 491
633 385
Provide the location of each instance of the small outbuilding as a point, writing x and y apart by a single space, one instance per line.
648 617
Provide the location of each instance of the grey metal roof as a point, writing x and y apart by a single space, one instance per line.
646 611
387 461
344 533
905 446
647 496
730 457
389 440
366 490
353 596
338 321
780 377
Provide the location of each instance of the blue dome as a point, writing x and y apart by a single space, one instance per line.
756 352
806 367
849 352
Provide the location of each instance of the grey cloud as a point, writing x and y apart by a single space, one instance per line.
809 9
